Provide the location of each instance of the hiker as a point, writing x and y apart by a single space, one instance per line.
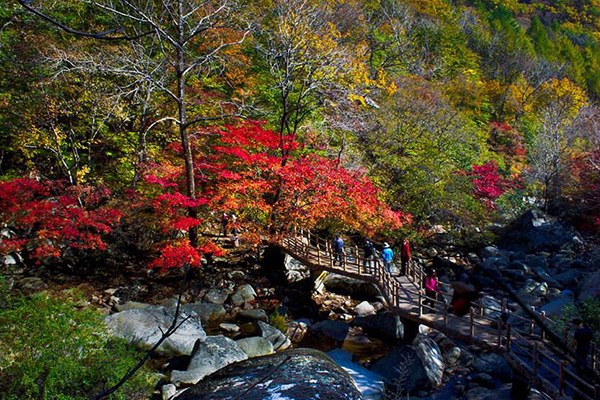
235 241
432 288
405 257
224 223
387 255
369 250
582 339
338 249
461 298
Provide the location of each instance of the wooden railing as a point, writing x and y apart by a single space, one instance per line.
519 341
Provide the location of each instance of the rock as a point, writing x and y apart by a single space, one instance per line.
274 335
520 266
295 271
466 358
214 353
336 330
256 314
142 328
170 303
568 278
556 307
589 287
490 251
484 380
473 258
255 346
217 296
243 294
480 393
206 311
537 261
236 274
432 252
168 391
534 231
431 357
383 324
540 290
296 331
9 260
493 365
131 305
32 285
352 287
542 274
365 308
232 328
402 371
301 374
452 356
534 288
514 274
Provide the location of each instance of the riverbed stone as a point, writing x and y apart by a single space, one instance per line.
255 314
274 335
299 374
206 311
255 346
214 353
142 328
243 294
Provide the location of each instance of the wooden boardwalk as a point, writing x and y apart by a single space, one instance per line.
519 341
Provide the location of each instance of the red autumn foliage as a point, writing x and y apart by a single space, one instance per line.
488 184
47 217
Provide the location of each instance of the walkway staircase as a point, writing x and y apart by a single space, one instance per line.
520 340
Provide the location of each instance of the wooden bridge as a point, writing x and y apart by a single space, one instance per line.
519 339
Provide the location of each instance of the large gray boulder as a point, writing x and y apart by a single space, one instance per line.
493 365
294 270
589 287
142 328
337 330
206 311
214 353
243 294
431 358
255 346
383 324
274 335
354 288
300 374
402 371
556 307
534 232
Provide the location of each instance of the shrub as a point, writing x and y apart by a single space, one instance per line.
278 321
51 350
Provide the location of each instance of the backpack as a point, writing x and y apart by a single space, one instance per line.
338 244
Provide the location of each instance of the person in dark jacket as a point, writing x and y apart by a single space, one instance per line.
369 250
338 250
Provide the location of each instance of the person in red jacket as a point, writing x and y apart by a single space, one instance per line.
405 257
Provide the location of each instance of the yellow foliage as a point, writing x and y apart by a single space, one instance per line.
571 97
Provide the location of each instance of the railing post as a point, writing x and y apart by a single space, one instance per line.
499 331
543 318
420 302
318 251
593 356
561 377
508 337
481 309
445 313
532 322
471 324
535 358
566 334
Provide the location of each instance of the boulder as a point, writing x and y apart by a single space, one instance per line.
142 328
256 314
452 356
294 270
490 251
336 330
493 308
255 346
431 357
274 335
557 306
493 365
402 371
217 296
299 374
484 380
568 278
519 265
231 328
537 261
206 311
352 287
534 231
243 294
168 391
365 308
589 287
214 353
383 324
